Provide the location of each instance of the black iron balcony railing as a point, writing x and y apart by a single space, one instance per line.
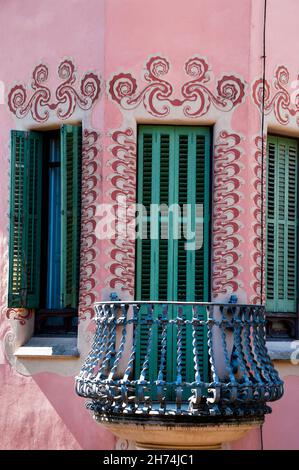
121 378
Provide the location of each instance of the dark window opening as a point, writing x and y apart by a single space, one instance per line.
45 217
52 317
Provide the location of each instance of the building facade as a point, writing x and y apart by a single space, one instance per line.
91 92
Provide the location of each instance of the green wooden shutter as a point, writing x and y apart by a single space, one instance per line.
281 221
150 251
25 220
71 157
173 168
192 270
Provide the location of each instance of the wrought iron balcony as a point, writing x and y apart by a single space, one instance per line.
156 382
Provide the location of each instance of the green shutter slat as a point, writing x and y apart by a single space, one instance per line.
281 224
25 219
34 168
193 265
143 246
173 168
71 158
270 266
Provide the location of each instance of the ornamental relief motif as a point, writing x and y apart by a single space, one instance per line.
123 187
227 195
156 95
259 226
69 95
91 164
278 97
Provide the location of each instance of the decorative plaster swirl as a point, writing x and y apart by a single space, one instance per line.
156 95
68 94
259 217
277 98
123 182
19 314
226 214
90 191
8 340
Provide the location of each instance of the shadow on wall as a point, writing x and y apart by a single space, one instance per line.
280 430
43 412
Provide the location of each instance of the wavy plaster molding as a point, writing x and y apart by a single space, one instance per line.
91 165
156 96
123 187
38 100
280 97
227 195
259 226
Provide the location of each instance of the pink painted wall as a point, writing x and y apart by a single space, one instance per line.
280 430
42 411
115 39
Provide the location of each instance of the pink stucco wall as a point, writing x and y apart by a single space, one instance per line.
113 38
280 430
42 411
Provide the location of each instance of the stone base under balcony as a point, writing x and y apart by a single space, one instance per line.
163 435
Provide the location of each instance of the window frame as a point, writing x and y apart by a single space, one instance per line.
289 320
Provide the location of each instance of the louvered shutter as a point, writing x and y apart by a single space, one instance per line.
173 170
152 251
71 157
191 272
281 221
25 220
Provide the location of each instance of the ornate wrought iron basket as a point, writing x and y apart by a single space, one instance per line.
120 379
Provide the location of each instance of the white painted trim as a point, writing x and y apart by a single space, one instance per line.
49 347
280 350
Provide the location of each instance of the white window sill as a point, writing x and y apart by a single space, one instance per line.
57 347
281 350
50 347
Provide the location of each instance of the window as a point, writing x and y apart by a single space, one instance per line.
45 226
281 236
173 172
